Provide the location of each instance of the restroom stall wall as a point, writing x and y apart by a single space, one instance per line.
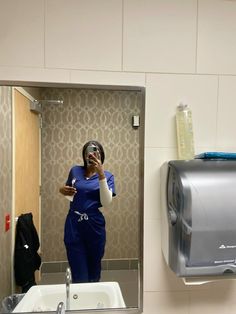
102 115
5 189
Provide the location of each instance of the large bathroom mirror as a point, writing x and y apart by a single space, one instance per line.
68 116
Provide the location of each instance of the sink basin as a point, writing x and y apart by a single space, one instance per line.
96 295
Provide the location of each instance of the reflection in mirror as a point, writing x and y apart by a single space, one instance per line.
79 116
89 188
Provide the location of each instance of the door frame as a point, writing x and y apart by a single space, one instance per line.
13 215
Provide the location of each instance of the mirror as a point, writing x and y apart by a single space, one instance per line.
109 115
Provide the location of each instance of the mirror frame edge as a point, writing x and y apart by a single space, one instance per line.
141 89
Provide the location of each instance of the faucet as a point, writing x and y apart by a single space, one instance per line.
68 281
60 308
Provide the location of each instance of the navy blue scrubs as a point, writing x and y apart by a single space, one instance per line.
85 234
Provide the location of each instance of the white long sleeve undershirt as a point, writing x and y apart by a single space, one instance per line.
105 193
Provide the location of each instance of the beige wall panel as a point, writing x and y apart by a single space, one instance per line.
104 116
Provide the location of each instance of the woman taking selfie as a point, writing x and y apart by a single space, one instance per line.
88 188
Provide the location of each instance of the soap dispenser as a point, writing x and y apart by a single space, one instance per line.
184 129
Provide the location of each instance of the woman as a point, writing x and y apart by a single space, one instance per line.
89 187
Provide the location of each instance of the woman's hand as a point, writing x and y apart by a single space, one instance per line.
97 165
67 190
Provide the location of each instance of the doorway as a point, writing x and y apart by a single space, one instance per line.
26 162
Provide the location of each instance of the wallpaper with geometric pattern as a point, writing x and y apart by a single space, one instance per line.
5 189
103 115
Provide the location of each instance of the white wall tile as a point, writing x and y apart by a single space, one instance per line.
22 33
166 303
199 149
212 302
72 76
108 78
157 276
154 158
216 48
34 75
223 148
160 35
84 34
165 92
226 129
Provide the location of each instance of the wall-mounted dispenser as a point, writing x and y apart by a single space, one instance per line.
198 204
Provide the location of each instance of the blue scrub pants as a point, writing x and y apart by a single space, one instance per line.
85 244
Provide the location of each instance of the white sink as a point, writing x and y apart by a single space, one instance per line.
96 295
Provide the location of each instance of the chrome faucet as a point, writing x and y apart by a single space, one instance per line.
60 308
68 281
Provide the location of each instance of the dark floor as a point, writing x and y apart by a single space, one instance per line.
127 279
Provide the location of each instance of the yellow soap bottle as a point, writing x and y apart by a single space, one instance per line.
184 129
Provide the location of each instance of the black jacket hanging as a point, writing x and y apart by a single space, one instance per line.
26 258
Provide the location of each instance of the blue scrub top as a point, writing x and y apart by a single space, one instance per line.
88 196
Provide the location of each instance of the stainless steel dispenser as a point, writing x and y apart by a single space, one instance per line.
198 203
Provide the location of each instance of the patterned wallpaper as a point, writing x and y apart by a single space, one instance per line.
101 115
5 189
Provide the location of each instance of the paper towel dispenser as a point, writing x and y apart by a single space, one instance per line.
198 203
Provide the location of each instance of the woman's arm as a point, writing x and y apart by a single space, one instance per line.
67 190
105 193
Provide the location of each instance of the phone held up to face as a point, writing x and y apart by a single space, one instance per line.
91 150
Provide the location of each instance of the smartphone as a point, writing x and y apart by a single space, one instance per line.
90 149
